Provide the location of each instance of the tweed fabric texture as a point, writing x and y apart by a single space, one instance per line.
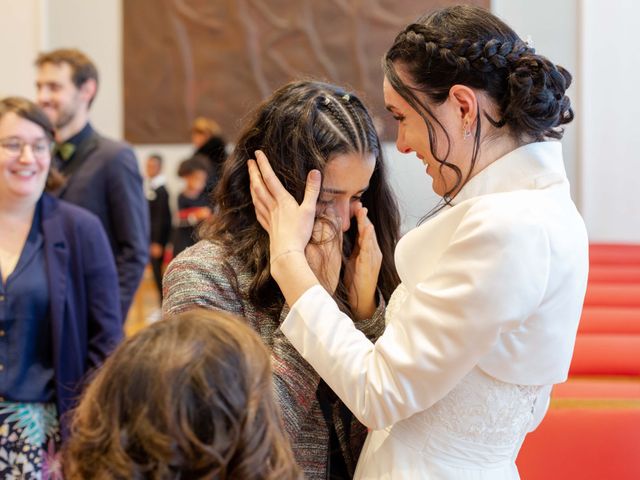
198 277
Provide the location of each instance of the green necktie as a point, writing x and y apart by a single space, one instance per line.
65 150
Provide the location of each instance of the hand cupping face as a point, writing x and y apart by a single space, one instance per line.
363 267
288 224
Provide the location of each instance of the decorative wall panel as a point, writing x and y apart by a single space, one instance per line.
220 58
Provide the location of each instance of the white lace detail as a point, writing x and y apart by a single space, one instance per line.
484 410
480 409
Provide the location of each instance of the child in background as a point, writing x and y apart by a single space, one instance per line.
193 202
159 215
187 397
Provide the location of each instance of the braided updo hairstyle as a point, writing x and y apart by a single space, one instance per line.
466 45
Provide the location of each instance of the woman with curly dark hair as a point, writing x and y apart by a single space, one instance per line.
485 319
303 126
188 397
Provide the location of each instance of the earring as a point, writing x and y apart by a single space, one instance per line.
466 131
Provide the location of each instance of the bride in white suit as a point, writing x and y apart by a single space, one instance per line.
484 321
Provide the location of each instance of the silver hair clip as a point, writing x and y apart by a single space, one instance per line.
529 41
326 101
346 97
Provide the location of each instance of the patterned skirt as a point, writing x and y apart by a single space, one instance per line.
29 441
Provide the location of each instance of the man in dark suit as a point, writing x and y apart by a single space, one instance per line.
159 215
101 174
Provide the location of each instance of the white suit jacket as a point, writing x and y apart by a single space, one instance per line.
496 281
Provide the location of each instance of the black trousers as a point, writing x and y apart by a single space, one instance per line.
156 267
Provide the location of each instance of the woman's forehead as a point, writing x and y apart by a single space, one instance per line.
348 173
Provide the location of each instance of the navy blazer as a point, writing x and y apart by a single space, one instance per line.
86 319
104 178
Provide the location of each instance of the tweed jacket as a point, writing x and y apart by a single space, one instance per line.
198 278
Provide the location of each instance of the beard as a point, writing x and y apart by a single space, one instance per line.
65 116
64 113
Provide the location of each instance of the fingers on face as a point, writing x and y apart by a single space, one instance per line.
364 224
259 195
269 178
361 215
274 187
312 189
256 184
366 232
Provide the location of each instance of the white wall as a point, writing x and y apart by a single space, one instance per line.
610 136
600 146
95 27
28 27
21 37
552 25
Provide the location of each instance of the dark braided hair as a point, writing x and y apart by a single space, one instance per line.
466 45
302 126
340 119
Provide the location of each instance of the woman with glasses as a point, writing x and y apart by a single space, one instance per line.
59 302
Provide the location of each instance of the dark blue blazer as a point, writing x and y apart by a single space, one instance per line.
104 178
86 318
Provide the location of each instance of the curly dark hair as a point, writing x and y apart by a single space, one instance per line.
468 45
301 127
187 397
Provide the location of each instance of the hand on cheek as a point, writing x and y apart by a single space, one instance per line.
363 267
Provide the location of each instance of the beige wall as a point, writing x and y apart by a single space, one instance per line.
30 26
21 36
94 26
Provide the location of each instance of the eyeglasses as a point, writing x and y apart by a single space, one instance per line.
13 147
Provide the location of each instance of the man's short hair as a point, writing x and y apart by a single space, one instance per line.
82 67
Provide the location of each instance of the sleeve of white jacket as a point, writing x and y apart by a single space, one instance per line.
489 279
